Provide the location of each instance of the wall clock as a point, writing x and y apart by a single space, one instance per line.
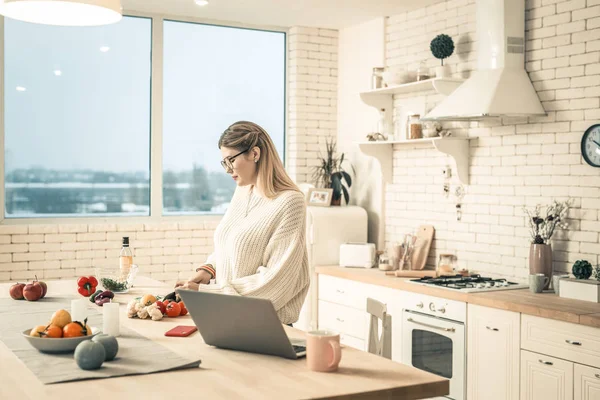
590 145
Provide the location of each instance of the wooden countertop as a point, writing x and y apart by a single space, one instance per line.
223 374
546 305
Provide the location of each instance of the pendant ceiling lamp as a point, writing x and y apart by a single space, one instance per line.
63 12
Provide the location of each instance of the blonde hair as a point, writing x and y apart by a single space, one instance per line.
272 177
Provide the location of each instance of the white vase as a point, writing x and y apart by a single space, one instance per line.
442 71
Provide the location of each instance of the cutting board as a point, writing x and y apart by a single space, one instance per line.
424 237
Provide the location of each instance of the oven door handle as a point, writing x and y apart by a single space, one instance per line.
431 326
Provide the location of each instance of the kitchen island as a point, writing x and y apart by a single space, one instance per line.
223 374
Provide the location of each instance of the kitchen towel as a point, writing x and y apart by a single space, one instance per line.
137 354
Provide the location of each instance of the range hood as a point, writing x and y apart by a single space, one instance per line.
500 87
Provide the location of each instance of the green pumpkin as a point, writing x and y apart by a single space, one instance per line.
110 343
582 269
89 355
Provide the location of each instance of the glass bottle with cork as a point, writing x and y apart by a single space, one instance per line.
125 258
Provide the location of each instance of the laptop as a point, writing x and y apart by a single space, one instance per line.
240 323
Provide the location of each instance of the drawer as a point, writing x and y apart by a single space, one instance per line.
587 383
353 294
342 319
568 341
351 341
342 291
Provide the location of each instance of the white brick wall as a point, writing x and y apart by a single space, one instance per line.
514 163
166 251
312 97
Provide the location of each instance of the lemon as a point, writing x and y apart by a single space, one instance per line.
36 332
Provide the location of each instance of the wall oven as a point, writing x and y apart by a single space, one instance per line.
433 339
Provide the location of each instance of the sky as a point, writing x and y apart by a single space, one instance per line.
86 97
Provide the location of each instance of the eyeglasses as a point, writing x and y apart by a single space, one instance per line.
227 162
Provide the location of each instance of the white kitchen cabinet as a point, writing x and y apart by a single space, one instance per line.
343 319
545 378
493 351
342 307
586 382
573 342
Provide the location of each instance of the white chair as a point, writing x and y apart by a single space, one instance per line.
379 344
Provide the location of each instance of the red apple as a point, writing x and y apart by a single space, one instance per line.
43 285
32 292
16 291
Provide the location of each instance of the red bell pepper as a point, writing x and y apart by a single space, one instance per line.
86 285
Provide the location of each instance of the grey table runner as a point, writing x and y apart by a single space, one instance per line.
137 354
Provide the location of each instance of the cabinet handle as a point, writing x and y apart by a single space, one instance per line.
597 376
545 362
491 329
339 319
573 342
339 290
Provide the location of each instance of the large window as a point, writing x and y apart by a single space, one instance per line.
77 119
78 111
214 76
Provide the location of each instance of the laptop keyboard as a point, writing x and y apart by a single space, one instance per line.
299 349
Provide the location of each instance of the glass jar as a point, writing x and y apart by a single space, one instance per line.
446 265
414 129
385 264
382 124
377 78
423 72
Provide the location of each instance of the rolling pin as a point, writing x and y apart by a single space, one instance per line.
412 274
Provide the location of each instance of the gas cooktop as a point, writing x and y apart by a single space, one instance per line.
469 284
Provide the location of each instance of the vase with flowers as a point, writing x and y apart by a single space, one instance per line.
541 228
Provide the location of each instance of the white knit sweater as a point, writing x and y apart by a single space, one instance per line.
263 254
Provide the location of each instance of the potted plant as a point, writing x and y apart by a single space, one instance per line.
541 229
442 46
330 174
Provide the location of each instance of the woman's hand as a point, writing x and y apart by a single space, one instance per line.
201 276
189 286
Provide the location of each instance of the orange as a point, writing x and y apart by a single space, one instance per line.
37 331
76 329
53 331
60 318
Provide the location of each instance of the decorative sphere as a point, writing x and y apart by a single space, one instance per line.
442 46
582 269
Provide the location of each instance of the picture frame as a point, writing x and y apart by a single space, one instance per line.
319 197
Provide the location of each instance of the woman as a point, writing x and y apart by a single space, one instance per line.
259 247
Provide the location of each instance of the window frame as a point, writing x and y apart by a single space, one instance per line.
156 126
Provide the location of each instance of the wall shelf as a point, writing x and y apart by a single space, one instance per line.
455 147
382 98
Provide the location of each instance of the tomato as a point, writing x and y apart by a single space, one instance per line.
184 310
173 309
53 331
162 307
147 300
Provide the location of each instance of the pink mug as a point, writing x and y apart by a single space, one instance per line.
323 351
